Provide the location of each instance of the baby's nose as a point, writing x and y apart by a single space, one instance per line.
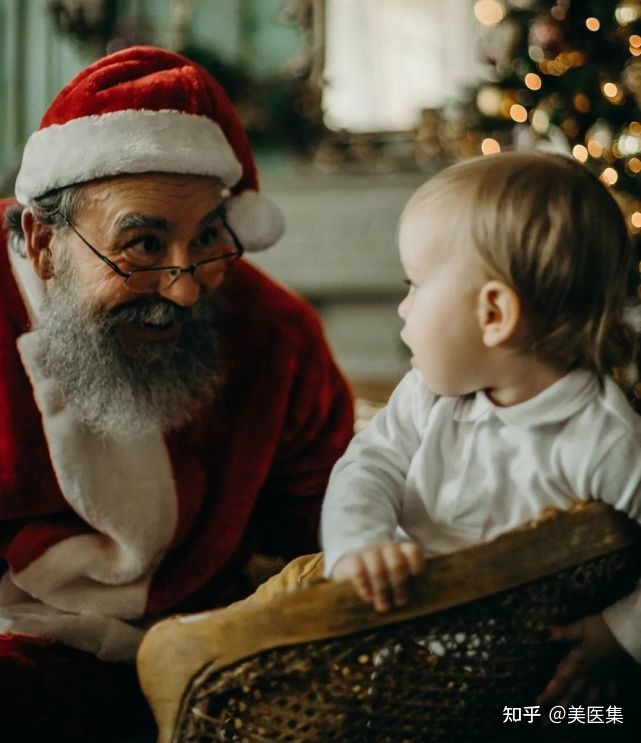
402 309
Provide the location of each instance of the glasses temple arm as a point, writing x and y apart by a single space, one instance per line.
103 258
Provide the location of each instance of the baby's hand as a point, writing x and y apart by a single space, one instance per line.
587 674
379 573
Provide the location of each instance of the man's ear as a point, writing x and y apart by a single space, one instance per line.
499 312
37 238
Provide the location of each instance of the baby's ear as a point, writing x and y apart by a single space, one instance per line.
38 236
499 312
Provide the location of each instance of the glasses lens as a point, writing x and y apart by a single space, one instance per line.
210 270
149 281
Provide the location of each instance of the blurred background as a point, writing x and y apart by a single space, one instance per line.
351 104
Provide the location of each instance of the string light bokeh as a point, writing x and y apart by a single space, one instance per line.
566 74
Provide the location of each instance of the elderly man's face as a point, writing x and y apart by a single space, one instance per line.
162 214
130 362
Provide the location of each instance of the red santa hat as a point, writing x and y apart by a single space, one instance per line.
145 110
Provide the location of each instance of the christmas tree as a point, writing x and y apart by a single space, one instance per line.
566 74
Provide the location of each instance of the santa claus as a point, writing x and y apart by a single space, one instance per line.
166 410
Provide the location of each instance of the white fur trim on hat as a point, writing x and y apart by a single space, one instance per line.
255 219
130 141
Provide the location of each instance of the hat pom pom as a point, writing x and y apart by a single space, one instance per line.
256 220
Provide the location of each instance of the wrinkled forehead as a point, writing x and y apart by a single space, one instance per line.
170 196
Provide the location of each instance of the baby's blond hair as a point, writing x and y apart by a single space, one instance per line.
551 230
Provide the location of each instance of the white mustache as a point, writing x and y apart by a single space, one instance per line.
158 313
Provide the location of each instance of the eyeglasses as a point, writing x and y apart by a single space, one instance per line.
227 249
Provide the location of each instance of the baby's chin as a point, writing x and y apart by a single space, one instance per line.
442 388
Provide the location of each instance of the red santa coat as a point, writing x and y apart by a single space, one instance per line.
99 538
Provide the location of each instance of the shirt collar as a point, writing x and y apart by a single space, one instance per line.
556 403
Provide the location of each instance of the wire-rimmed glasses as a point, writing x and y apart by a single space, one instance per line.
227 249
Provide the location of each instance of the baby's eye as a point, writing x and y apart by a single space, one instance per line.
410 284
144 251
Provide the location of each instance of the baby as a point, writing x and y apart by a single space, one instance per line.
517 266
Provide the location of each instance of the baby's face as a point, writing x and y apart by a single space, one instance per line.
440 311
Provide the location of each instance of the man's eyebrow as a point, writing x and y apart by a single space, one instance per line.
135 221
210 216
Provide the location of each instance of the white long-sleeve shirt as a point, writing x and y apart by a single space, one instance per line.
451 472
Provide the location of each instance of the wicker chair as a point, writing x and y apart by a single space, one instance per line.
318 665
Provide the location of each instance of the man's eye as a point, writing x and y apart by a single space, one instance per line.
210 236
145 250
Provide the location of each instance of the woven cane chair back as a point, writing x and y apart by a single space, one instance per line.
317 665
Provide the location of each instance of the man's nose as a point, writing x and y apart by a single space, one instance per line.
184 291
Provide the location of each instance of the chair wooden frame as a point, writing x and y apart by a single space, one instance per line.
176 650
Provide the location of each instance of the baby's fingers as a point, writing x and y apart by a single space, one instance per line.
567 632
414 556
402 560
379 578
379 573
398 571
353 568
567 672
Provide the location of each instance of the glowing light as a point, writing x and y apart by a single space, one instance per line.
536 53
594 148
518 113
561 63
540 121
610 176
634 127
580 152
634 165
610 90
490 146
635 219
602 136
629 144
581 103
489 100
593 24
489 12
533 81
635 52
626 14
635 41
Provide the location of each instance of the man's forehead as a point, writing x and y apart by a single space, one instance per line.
170 185
157 201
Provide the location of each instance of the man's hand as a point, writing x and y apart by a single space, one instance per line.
587 674
379 573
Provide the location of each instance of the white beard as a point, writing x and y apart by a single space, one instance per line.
111 392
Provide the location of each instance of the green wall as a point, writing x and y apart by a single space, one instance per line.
36 61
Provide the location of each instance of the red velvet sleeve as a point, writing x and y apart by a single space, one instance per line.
317 428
